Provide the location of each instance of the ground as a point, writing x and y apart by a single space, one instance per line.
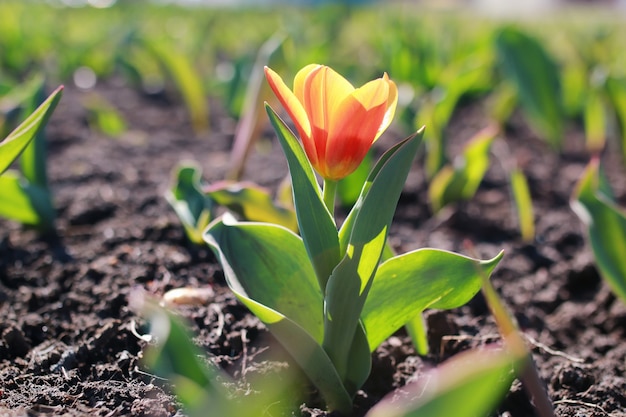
68 346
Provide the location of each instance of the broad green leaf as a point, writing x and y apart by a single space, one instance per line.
523 204
317 226
531 69
14 144
595 117
606 228
268 269
252 202
368 227
460 181
406 285
468 385
189 202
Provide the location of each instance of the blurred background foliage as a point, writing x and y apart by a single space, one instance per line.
555 63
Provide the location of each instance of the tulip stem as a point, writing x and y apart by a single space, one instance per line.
329 192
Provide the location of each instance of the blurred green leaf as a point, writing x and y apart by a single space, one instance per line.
104 117
468 385
595 117
523 204
186 77
193 207
460 181
606 228
15 203
616 88
409 283
252 202
528 66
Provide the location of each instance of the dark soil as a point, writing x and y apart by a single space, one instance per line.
67 345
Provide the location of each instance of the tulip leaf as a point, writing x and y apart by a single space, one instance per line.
606 228
527 65
316 223
15 202
460 181
367 228
406 285
476 379
14 144
252 203
268 269
193 207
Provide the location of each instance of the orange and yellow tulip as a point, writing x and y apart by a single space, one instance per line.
337 123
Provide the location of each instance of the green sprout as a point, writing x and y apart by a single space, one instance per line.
25 196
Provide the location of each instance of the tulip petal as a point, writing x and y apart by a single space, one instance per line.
392 101
358 120
323 92
290 102
298 81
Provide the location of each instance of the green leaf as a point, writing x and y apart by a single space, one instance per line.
367 226
595 117
317 226
616 88
175 357
268 269
606 228
530 68
523 204
460 181
191 205
406 285
33 159
252 203
14 144
15 203
182 71
103 116
468 385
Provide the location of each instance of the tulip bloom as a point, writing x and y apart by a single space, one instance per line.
337 123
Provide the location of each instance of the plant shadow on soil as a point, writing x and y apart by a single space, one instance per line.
67 345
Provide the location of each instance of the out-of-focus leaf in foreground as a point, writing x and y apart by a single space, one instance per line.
468 385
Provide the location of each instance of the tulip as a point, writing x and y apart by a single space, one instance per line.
337 123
